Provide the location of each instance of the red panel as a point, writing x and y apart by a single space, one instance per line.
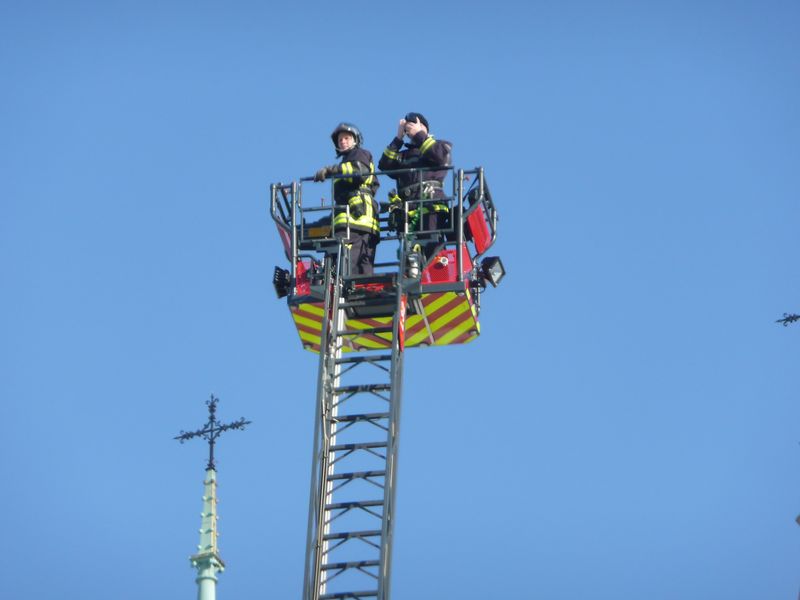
444 269
303 284
479 230
286 238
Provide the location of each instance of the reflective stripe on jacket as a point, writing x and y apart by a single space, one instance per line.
361 214
423 151
356 192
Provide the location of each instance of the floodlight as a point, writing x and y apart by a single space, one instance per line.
492 270
282 280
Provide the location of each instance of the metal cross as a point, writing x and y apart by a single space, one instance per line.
212 430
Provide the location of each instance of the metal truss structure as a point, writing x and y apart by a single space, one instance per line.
361 327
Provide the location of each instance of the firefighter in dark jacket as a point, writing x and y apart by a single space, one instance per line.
354 196
422 151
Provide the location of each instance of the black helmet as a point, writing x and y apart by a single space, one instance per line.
349 128
413 116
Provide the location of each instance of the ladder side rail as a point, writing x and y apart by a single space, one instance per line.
459 218
313 520
316 545
392 444
331 430
311 567
331 407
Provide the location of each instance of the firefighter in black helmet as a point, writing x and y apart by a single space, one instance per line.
354 190
422 151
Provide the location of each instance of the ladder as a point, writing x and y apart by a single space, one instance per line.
354 464
361 326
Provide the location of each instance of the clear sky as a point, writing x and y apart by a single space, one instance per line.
627 424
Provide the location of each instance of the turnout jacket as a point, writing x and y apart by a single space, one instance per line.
423 151
356 191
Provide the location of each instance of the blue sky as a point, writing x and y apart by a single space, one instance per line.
625 426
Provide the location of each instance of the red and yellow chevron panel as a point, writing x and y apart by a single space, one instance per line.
448 318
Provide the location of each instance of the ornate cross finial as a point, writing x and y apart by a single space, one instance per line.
212 430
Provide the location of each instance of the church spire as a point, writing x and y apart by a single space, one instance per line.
207 560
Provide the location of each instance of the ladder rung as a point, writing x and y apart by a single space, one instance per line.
357 475
345 595
364 417
351 565
353 504
369 387
358 446
346 535
362 359
388 304
373 330
388 297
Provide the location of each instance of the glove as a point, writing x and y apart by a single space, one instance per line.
322 174
395 219
396 215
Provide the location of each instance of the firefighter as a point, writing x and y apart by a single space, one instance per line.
421 151
355 192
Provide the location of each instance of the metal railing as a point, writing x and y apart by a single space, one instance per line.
469 193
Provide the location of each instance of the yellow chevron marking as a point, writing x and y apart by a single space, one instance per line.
449 316
371 343
308 315
307 322
418 338
455 332
438 302
412 320
361 325
312 309
309 337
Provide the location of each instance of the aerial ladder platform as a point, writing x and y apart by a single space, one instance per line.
361 326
